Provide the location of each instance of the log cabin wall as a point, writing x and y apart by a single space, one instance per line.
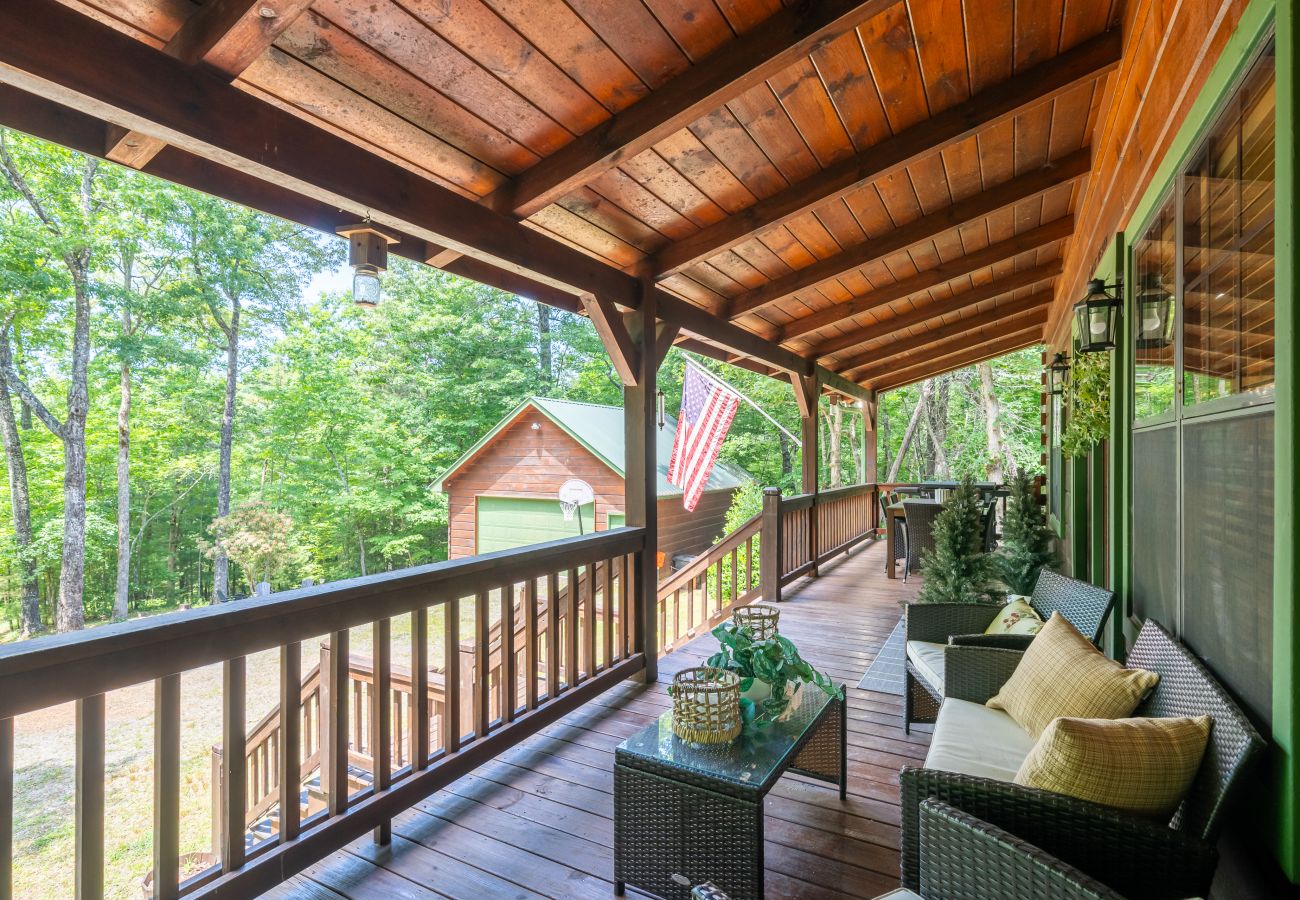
1170 48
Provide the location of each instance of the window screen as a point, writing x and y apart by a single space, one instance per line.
1155 525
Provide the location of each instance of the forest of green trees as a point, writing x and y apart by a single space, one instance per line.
181 419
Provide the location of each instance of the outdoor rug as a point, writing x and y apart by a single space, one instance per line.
885 674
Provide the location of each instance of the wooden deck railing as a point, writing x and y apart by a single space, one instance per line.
603 647
809 529
703 593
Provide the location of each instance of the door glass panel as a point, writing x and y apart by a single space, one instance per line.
1228 249
1156 275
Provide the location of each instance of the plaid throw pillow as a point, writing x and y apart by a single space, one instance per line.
1017 617
1063 674
1142 766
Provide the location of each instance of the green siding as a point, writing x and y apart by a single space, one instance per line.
504 523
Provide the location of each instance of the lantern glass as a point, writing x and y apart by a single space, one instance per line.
1155 311
365 286
1097 317
1058 373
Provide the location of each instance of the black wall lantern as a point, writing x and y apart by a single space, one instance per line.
1058 373
1097 317
1155 313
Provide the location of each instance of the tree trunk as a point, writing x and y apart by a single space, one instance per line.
993 426
72 576
544 343
121 596
221 563
20 501
912 425
937 419
836 428
787 460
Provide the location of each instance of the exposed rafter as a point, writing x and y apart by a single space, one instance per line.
984 327
1026 187
1022 91
622 350
227 36
960 358
765 50
965 302
944 272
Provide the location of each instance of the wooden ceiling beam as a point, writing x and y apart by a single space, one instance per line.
989 327
926 228
959 267
834 381
622 351
957 304
227 36
702 323
961 359
1021 92
768 48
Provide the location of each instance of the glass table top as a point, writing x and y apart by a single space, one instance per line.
753 760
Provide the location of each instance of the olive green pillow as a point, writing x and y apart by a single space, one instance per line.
1017 617
1063 674
1142 766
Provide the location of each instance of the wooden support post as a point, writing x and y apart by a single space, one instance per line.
769 560
641 473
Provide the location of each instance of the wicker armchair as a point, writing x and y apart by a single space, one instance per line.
965 858
1133 855
919 531
1085 605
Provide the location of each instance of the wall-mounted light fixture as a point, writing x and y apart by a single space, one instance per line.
1058 373
1097 316
368 256
1155 313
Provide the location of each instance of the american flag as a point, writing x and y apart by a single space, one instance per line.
707 410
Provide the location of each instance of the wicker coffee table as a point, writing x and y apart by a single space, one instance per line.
684 815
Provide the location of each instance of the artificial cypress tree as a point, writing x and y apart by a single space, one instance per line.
957 570
1027 543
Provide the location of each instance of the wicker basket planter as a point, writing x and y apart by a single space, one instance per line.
706 705
759 619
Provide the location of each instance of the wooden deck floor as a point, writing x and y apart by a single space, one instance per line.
539 820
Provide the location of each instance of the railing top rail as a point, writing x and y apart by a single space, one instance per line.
797 502
746 529
46 671
850 490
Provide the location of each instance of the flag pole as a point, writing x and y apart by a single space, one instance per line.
762 412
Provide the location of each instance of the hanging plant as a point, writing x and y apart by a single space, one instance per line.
1088 400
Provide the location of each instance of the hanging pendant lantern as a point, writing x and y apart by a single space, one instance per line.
1058 373
1097 318
1155 312
368 256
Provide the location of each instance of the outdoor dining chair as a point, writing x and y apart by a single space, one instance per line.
918 533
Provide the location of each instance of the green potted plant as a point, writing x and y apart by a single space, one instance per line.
771 671
1027 543
957 570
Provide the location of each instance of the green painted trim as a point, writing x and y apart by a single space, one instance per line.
1120 484
1286 537
1077 525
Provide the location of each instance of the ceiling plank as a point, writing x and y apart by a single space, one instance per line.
1024 90
944 272
791 34
982 328
1008 194
961 359
956 304
225 35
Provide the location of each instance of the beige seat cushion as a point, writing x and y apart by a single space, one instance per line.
1063 674
972 739
1142 766
927 657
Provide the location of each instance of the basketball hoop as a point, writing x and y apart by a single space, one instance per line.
574 494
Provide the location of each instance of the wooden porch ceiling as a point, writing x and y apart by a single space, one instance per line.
800 184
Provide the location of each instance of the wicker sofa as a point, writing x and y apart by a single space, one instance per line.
976 750
929 626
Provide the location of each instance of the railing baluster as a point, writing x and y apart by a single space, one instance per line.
508 662
530 643
6 809
589 616
166 787
419 726
481 687
335 746
571 632
90 797
624 570
451 675
289 758
607 615
233 738
381 718
552 635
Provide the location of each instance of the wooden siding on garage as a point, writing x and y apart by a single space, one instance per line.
691 532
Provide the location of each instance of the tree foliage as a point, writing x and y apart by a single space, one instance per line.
1027 543
957 570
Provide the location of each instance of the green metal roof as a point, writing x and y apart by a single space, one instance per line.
599 428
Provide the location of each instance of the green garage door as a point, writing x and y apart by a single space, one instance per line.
508 522
616 520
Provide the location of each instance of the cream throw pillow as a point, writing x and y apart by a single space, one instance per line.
1063 674
1142 766
1017 617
